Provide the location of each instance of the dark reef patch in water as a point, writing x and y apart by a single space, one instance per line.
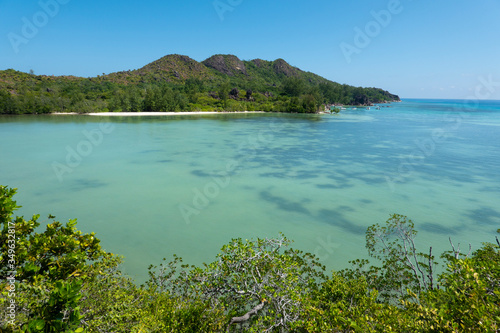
284 204
366 201
484 216
438 229
86 184
337 218
201 173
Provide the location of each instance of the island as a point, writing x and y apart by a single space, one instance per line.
177 83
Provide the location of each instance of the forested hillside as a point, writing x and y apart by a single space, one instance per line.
179 83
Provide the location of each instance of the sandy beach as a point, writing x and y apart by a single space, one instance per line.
129 114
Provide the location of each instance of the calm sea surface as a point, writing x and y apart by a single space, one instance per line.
154 186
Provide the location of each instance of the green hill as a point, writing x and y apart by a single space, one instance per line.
179 83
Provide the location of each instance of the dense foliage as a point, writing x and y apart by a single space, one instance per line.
178 83
65 282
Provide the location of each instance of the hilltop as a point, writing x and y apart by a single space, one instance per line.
180 83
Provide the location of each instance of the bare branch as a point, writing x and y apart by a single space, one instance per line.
455 252
411 266
431 275
246 316
417 264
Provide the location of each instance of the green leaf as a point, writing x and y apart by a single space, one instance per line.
38 324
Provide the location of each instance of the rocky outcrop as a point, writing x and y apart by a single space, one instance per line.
281 67
259 63
226 64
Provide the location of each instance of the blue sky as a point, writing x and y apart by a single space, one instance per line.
413 48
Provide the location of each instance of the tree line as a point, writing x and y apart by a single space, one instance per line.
23 93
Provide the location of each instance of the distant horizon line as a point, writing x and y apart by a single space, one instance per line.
448 99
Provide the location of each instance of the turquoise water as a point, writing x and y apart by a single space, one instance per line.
154 186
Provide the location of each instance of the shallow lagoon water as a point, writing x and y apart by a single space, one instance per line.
154 186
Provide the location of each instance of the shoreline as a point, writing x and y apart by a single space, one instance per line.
139 114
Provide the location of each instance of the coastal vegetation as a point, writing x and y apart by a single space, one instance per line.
179 83
57 279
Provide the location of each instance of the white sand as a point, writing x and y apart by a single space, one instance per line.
61 113
127 114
